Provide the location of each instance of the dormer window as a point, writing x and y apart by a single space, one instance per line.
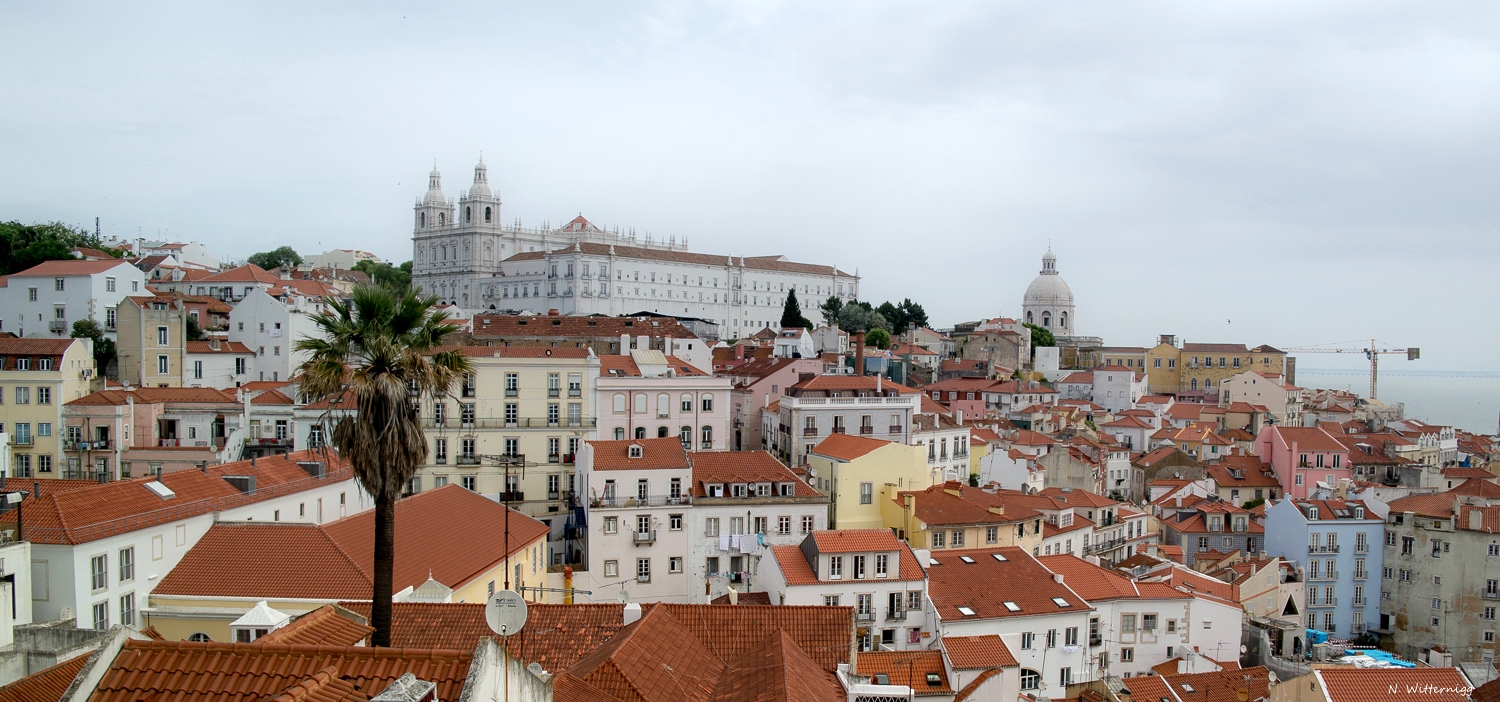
636 451
1359 513
738 489
1312 513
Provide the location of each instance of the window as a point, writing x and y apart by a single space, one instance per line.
711 526
881 561
1127 623
958 538
99 567
784 525
707 403
674 564
127 564
161 336
866 493
1051 638
939 539
1127 655
1148 622
835 567
1030 679
1070 636
161 365
611 525
1028 639
807 524
127 609
611 569
101 614
643 570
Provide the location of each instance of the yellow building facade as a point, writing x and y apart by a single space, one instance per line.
152 341
859 474
37 376
1200 368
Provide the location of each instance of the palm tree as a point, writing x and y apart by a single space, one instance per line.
381 349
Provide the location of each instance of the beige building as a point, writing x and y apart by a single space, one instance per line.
860 474
1196 370
36 377
512 431
152 344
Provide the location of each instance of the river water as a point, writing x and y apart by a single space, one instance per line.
1468 400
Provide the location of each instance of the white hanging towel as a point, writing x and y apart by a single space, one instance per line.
750 544
734 542
723 542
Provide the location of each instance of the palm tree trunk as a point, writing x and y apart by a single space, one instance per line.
385 560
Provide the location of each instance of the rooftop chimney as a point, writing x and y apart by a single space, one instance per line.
1057 577
1476 520
631 614
859 353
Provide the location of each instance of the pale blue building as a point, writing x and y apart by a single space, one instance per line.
1339 547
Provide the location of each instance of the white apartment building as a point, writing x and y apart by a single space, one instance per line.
868 569
946 442
271 326
636 494
513 431
1144 624
1283 399
101 557
216 363
48 297
1117 388
819 406
745 503
646 393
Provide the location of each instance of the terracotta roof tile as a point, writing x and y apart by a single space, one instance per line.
1350 684
976 652
744 467
656 454
20 346
250 559
185 671
1309 438
794 566
1091 582
954 583
847 447
909 668
248 273
46 685
324 686
777 669
325 626
88 513
855 540
1221 686
230 347
68 267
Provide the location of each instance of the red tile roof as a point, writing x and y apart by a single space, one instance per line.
19 346
1309 438
954 583
1091 582
89 513
555 635
325 626
248 273
744 467
185 671
626 366
847 447
976 652
1221 686
49 269
46 685
936 506
656 454
909 668
251 559
224 347
855 540
1350 684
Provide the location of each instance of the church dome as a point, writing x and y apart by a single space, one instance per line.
1049 289
481 187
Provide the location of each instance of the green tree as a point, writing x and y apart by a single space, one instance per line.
1041 336
25 245
879 338
894 316
373 349
394 277
856 316
791 314
916 317
830 309
104 349
282 256
194 332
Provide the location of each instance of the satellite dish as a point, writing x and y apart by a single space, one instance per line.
623 597
505 612
1243 649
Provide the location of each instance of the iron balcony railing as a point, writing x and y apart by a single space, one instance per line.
651 501
644 537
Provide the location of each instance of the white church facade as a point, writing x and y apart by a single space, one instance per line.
464 256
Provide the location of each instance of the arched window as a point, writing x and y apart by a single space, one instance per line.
619 433
1193 384
640 432
199 637
1062 320
708 437
708 402
442 219
1047 319
661 432
687 402
1029 319
663 405
619 402
468 213
686 434
1030 679
640 403
422 219
486 214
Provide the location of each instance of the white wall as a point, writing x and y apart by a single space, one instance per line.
83 297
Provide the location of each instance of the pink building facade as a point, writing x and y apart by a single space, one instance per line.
1302 457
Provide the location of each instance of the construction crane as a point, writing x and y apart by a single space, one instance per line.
1372 352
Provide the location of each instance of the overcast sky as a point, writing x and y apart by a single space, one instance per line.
1260 172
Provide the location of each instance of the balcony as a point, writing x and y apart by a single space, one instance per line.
895 614
513 496
512 392
21 440
643 537
518 423
554 393
1490 595
100 445
867 430
58 326
643 578
1095 641
867 615
468 460
895 428
810 431
1316 548
611 502
838 430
